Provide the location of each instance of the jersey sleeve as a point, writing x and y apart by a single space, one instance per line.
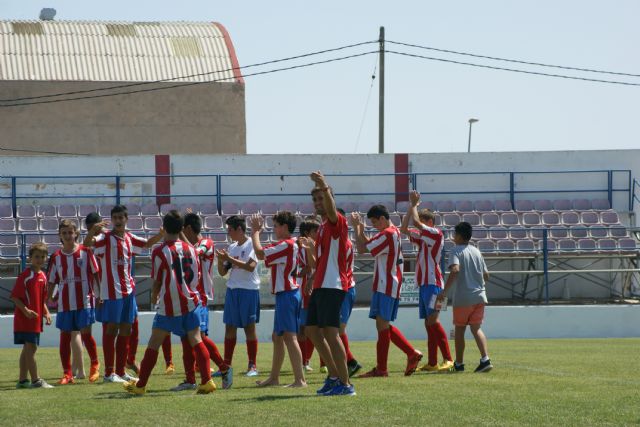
414 236
431 234
93 262
156 265
378 244
100 246
205 248
19 290
52 272
276 253
137 244
453 258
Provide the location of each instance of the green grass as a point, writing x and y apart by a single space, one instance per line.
535 382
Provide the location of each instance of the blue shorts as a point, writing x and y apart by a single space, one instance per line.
26 337
384 306
286 317
203 315
427 301
178 325
347 305
303 317
241 307
123 310
75 320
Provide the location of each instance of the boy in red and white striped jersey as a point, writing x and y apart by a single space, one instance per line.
306 259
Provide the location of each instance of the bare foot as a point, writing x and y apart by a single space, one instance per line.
301 384
268 382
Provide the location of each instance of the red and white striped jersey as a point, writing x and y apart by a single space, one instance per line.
331 255
205 249
73 273
115 254
175 265
385 247
302 263
430 241
350 264
282 257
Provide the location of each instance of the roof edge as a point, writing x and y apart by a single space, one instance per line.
232 52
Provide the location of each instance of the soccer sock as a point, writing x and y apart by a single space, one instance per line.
252 351
433 339
146 366
308 350
382 349
229 347
188 359
65 352
108 348
443 342
400 341
122 351
166 350
214 353
133 343
92 348
345 342
202 356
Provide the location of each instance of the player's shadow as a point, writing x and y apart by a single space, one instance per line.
124 395
272 398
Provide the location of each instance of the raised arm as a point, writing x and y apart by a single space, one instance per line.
257 222
412 213
90 239
223 257
329 203
308 246
155 239
358 227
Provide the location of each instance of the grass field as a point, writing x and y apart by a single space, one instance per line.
535 382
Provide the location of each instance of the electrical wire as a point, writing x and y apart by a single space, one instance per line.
366 104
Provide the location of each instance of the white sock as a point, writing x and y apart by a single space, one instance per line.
484 359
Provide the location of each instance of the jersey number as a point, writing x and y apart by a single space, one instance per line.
182 268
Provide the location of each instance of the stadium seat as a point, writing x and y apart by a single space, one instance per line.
552 246
627 245
526 246
570 218
567 245
490 219
46 211
543 205
395 219
250 208
518 233
7 225
268 208
67 210
31 238
581 204
208 209
10 253
51 239
618 231
218 238
6 211
562 205
607 245
483 206
49 224
609 218
28 225
530 219
579 232
550 218
589 218
307 209
164 209
26 211
446 206
438 220
587 245
133 209
183 208
450 219
600 204
536 233
506 246
509 219
448 245
230 208
52 248
8 239
524 205
84 210
471 218
464 206
391 206
599 232
486 246
479 233
213 222
268 222
152 223
498 233
559 232
428 204
149 209
290 207
401 207
105 211
135 224
503 206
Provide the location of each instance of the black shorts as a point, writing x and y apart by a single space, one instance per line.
324 308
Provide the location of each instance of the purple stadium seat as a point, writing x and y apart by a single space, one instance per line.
10 252
291 207
524 205
164 209
395 219
445 206
609 217
105 211
530 219
587 245
49 224
582 204
464 206
600 204
607 245
471 218
543 205
550 218
230 208
135 224
536 233
438 220
84 210
484 206
490 219
307 209
503 206
498 233
579 232
26 211
570 218
134 209
250 208
558 232
562 205
32 238
518 233
506 246
525 246
363 207
149 209
46 211
391 206
509 219
589 218
618 231
598 232
566 245
213 222
28 224
627 245
349 207
268 208
552 246
183 208
8 239
6 211
218 238
268 222
485 245
7 225
450 219
208 209
67 210
51 239
479 233
152 223
428 204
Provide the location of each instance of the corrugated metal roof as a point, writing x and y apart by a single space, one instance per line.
114 51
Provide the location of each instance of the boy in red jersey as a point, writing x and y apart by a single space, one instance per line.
306 261
174 270
282 258
75 270
29 294
387 277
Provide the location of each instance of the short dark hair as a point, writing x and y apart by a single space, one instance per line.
193 220
173 222
308 226
464 230
286 218
91 219
235 221
38 247
120 209
377 211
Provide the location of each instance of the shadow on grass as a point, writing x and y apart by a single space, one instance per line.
124 395
271 398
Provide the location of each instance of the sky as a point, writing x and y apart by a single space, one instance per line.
324 109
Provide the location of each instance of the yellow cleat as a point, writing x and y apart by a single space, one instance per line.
170 369
131 387
428 368
206 388
446 366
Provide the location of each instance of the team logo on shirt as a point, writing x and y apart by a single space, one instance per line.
80 262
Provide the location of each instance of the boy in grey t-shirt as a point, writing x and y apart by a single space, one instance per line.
467 275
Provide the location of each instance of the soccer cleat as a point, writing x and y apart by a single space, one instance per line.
458 368
353 367
128 377
113 378
428 368
170 370
227 379
445 366
94 372
23 384
307 368
329 383
324 370
40 383
184 386
217 374
484 366
341 390
206 388
131 387
66 379
412 363
134 367
374 373
252 371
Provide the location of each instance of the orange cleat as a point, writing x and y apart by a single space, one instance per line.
412 363
374 373
94 372
66 379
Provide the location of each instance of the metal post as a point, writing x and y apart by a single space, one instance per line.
610 188
117 189
14 197
545 266
218 193
512 186
23 251
381 95
469 144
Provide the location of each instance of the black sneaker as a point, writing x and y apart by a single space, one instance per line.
458 368
353 367
484 366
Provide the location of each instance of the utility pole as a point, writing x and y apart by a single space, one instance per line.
381 95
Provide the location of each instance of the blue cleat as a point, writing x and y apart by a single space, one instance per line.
329 384
227 379
341 390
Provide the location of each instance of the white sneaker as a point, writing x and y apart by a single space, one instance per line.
126 377
40 383
307 368
184 386
113 378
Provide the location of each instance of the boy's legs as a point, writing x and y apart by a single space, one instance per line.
382 346
109 335
295 356
30 361
122 347
460 330
167 354
230 338
133 347
252 344
317 337
276 362
201 353
24 369
481 340
77 359
92 351
151 355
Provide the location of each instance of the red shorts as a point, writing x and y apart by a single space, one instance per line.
468 315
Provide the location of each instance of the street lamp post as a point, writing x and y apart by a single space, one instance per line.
471 122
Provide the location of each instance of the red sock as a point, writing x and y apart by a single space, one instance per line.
109 350
252 351
345 342
382 349
214 353
92 348
229 347
308 350
146 366
133 343
432 345
443 342
401 342
188 360
202 356
122 351
65 352
166 350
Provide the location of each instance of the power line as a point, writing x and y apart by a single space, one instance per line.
563 67
511 69
258 73
366 104
26 150
127 85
